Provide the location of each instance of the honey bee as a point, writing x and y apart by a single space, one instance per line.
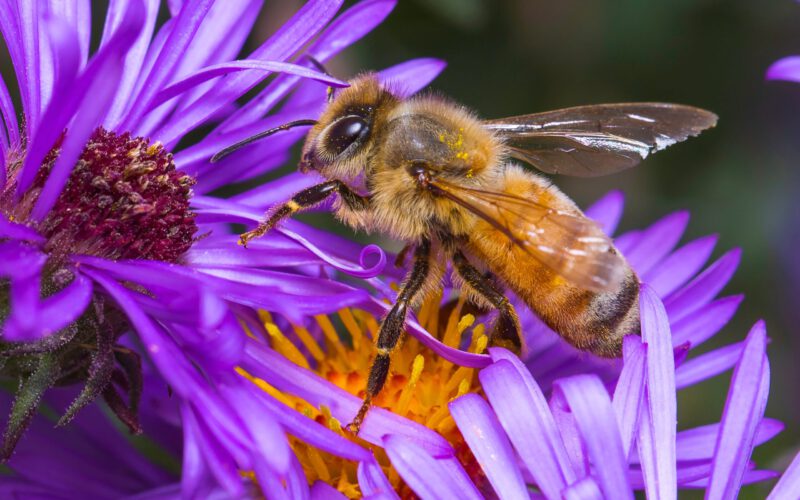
428 172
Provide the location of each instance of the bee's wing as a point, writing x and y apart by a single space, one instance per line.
588 141
571 245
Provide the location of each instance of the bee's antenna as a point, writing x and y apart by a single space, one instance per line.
321 68
253 138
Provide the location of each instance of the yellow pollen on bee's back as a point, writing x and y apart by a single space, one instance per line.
419 387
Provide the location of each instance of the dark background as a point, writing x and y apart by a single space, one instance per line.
739 180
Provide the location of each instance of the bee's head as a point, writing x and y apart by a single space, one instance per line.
339 145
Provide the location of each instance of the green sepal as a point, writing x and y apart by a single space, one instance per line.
27 401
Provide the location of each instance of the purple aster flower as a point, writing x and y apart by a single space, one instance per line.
108 227
560 420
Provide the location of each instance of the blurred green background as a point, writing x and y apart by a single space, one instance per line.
740 180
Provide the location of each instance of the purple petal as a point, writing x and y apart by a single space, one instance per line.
701 325
17 231
656 242
295 33
350 26
321 490
58 113
185 26
222 469
217 70
309 431
607 211
97 84
708 365
9 120
78 13
680 266
134 60
408 78
373 482
423 473
789 483
489 444
658 426
583 489
595 419
628 395
525 416
703 288
744 408
787 69
221 37
28 20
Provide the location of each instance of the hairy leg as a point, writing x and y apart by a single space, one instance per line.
506 332
392 328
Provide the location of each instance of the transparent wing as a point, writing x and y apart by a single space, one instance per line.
571 245
589 141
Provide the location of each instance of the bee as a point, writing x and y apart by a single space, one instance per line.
428 172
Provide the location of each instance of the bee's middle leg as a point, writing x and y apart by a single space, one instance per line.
391 329
506 332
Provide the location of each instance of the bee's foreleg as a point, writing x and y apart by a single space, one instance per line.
506 332
392 328
306 198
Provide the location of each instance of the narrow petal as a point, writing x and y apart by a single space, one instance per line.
185 27
525 416
583 489
789 483
657 429
703 288
487 441
594 417
707 365
680 266
744 408
373 482
656 242
409 77
703 324
350 26
295 33
15 231
217 70
97 83
607 211
134 60
423 473
628 395
321 490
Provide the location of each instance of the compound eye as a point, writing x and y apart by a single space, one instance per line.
345 132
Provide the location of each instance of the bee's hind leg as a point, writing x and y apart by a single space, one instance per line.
506 331
392 328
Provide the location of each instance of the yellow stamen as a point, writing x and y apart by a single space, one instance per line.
284 346
408 390
352 327
310 343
